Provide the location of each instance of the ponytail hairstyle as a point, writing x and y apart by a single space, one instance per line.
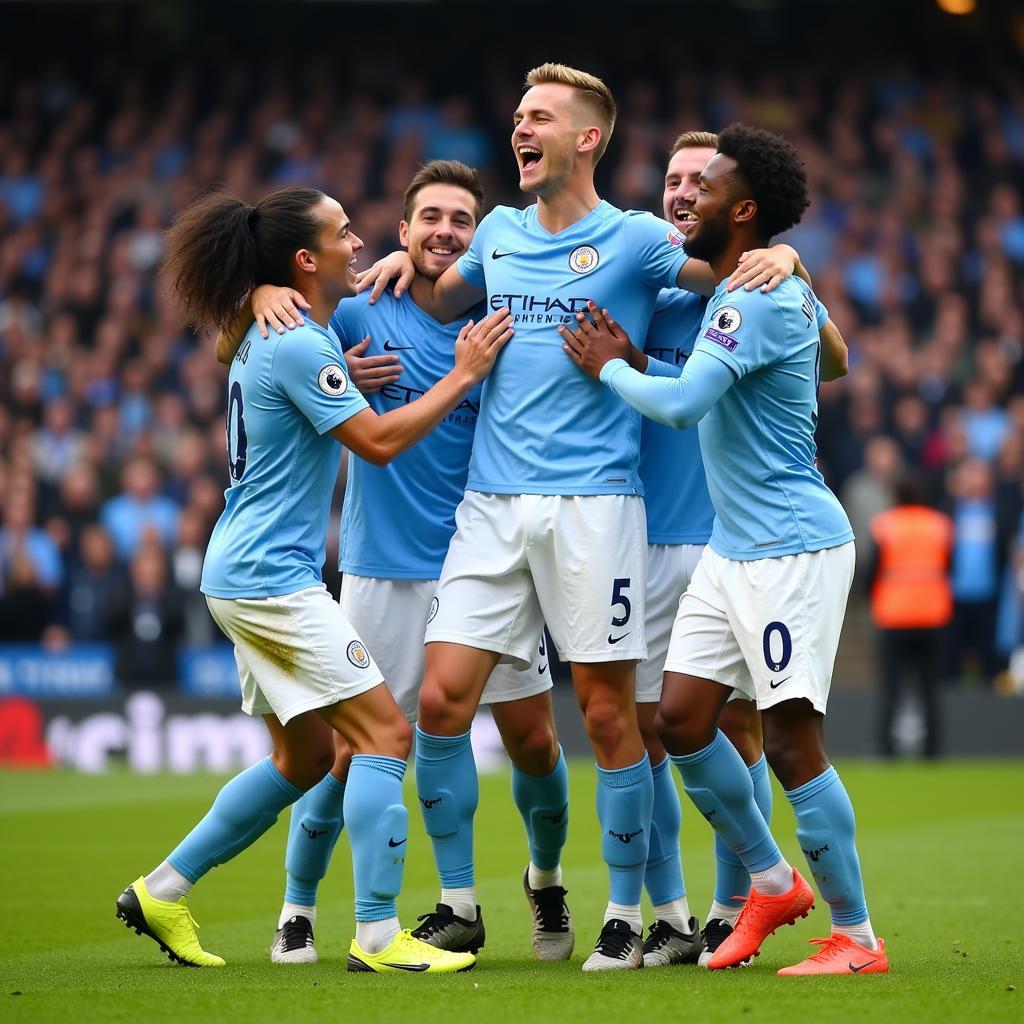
219 249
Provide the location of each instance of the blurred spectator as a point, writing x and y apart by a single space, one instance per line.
57 445
187 570
26 606
140 511
147 626
976 569
21 541
911 604
97 588
870 491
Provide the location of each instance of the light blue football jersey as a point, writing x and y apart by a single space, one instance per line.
545 427
284 394
679 509
397 520
758 438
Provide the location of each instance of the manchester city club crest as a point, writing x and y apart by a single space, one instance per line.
584 258
357 654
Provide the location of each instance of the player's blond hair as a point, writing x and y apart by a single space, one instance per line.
589 88
694 140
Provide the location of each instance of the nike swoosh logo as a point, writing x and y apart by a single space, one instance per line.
409 967
616 639
501 255
391 842
388 347
861 967
540 668
775 685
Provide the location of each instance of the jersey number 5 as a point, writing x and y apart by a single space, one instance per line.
237 443
619 588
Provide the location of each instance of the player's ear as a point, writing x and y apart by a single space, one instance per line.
745 211
403 234
305 261
590 139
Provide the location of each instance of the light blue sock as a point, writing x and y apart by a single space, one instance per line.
543 802
624 800
378 828
825 827
449 791
732 879
244 809
317 821
717 781
663 874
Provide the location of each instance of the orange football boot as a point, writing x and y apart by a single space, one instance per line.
760 916
839 954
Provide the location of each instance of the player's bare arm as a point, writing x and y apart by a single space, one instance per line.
765 267
229 339
451 296
268 305
835 361
378 439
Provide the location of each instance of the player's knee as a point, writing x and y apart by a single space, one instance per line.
787 761
438 713
682 730
399 737
304 768
747 742
606 723
534 751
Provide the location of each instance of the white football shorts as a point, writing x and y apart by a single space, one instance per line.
769 628
670 568
576 562
294 653
391 616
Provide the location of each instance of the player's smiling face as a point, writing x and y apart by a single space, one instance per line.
682 178
335 256
441 228
545 137
713 210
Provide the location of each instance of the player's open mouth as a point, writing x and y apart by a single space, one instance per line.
528 157
436 250
683 218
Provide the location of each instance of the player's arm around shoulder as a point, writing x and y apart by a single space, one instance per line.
307 368
378 439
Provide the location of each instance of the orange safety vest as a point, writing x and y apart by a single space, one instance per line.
911 589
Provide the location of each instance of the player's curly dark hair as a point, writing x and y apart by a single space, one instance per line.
771 170
220 248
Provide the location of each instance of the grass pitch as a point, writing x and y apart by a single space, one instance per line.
941 848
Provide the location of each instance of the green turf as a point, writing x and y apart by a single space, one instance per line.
941 847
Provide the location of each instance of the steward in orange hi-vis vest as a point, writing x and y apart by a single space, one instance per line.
911 586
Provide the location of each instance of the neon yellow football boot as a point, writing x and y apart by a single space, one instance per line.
170 925
406 953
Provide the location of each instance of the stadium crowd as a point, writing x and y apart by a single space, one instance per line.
112 459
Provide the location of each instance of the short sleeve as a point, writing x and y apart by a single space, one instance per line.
655 249
745 330
470 264
820 313
310 370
